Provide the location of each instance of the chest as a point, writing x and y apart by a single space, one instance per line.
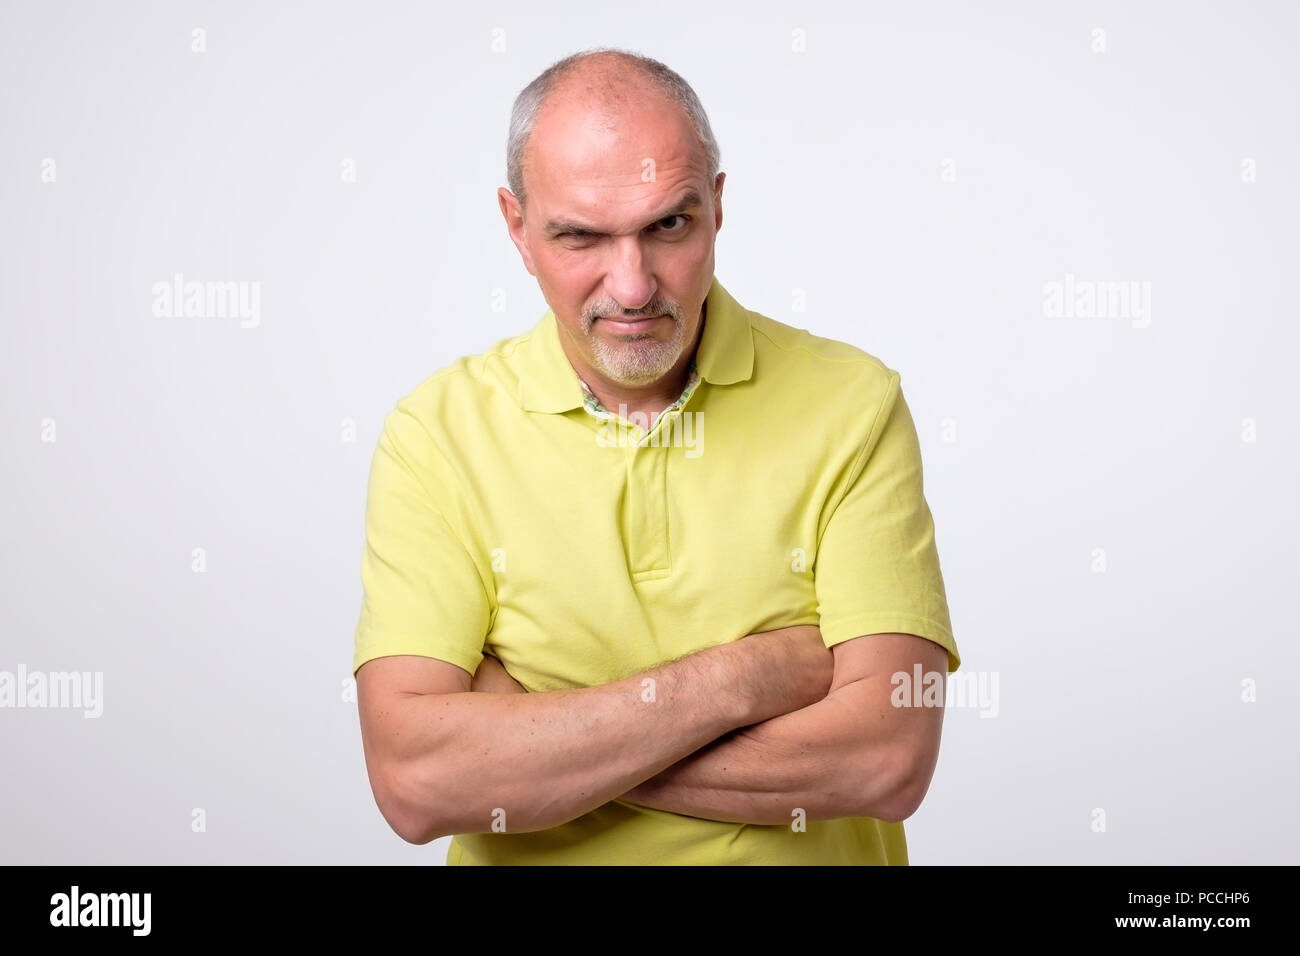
609 558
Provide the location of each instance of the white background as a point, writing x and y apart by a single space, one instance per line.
1120 690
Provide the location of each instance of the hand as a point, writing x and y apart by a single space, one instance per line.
492 678
805 665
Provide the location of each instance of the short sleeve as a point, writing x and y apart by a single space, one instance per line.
422 592
877 568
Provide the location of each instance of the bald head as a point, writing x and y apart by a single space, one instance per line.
601 89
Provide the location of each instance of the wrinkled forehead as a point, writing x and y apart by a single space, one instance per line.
610 163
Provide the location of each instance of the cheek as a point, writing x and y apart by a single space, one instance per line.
570 279
687 269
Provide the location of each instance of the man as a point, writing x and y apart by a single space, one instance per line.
595 631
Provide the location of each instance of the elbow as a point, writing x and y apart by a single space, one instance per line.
416 831
896 794
901 804
413 834
408 806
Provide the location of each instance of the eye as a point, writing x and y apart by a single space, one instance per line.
684 219
573 239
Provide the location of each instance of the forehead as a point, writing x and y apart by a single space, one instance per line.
610 165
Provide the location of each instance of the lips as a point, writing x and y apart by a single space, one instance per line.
633 325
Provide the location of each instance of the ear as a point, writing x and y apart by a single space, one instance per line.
513 212
717 201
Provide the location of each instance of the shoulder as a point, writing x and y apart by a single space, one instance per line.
824 370
470 389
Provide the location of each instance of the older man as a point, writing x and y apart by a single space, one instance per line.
595 631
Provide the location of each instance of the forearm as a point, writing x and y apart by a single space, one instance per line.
464 762
820 759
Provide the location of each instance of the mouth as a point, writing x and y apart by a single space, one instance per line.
629 326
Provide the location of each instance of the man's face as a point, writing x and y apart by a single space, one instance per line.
619 230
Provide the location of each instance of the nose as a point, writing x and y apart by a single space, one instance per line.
629 280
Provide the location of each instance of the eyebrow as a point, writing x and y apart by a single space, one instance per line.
555 227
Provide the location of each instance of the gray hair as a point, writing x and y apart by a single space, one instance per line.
529 102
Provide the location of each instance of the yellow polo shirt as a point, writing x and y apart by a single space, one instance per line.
504 516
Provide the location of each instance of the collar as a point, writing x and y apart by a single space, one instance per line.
548 382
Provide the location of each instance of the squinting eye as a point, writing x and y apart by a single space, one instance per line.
683 218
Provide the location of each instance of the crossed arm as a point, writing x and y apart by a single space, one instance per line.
746 731
852 753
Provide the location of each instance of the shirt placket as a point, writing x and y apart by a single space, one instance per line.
645 509
644 517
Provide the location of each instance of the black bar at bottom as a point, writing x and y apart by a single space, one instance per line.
646 907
